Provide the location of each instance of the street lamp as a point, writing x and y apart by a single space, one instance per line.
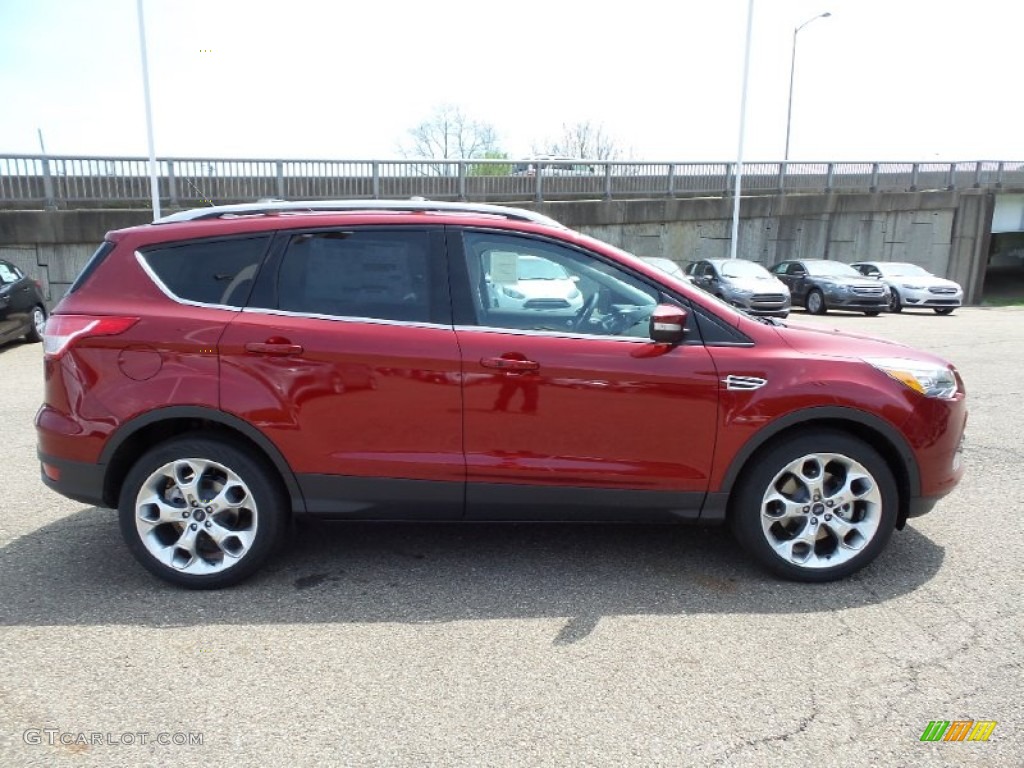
792 70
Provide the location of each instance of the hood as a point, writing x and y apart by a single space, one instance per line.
853 282
832 342
929 281
757 284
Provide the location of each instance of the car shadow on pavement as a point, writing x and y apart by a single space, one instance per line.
77 571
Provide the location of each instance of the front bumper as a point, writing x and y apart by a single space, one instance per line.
926 298
857 303
757 306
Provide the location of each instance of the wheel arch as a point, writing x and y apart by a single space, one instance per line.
874 431
136 436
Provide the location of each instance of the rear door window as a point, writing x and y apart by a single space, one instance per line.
373 273
217 272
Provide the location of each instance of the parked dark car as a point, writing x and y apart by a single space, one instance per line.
218 371
820 285
744 284
22 307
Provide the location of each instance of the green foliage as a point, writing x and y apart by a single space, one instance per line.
490 169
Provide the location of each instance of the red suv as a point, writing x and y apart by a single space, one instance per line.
216 372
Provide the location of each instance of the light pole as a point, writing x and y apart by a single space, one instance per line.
792 70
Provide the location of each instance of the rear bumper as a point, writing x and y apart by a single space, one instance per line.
75 479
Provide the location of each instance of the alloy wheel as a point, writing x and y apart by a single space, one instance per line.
821 510
196 516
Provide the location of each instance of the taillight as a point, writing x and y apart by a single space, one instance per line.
61 330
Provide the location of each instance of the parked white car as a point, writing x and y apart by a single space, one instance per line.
552 165
912 286
539 285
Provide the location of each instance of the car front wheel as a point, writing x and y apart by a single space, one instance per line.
816 303
201 513
817 507
894 302
943 310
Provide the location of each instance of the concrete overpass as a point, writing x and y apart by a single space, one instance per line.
951 217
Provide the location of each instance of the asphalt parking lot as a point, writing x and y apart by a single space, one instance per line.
398 645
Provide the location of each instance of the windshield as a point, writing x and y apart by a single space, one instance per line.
902 270
831 269
741 268
540 269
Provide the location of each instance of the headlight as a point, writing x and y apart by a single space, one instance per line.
744 292
928 379
512 293
912 287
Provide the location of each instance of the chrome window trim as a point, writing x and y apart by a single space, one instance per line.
552 334
345 318
141 259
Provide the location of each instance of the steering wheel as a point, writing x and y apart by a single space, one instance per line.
583 316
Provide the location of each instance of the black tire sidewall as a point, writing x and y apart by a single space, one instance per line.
271 504
895 304
33 337
745 509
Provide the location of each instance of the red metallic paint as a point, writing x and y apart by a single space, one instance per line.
362 398
597 412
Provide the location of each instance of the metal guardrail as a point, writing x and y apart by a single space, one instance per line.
80 181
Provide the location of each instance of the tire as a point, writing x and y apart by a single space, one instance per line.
775 517
38 323
895 305
815 302
202 513
943 310
872 312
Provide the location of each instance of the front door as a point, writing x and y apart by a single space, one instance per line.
567 401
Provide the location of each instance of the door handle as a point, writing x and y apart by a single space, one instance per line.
272 347
509 364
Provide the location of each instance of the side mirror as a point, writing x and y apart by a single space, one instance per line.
668 324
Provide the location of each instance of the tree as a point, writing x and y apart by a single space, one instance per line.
585 140
448 134
491 169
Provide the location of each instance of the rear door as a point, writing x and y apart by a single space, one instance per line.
346 358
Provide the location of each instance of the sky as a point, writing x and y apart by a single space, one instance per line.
877 80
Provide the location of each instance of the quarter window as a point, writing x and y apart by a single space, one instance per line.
210 272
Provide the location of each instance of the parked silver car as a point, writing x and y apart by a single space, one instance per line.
913 286
744 284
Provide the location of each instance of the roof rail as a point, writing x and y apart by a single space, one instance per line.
325 206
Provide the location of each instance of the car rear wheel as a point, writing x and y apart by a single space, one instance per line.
894 302
816 303
38 320
201 513
943 310
817 507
